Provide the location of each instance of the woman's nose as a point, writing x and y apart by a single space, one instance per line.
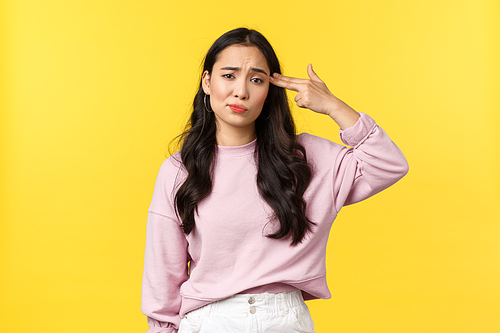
241 90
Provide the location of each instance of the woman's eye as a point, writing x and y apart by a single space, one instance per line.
228 76
257 80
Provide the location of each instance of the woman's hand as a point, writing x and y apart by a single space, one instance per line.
314 95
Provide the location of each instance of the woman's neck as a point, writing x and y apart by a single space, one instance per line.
235 138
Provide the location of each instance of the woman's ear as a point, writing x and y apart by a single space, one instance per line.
205 82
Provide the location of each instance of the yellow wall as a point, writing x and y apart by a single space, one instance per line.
93 91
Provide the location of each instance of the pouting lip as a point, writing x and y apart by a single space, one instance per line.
238 106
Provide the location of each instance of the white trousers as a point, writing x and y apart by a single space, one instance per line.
251 313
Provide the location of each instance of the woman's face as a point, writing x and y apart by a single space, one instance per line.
238 87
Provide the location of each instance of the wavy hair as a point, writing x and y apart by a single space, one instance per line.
283 173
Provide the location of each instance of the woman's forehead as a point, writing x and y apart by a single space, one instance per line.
241 56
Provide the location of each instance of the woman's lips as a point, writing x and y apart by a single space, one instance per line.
238 108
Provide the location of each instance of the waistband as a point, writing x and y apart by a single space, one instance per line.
263 303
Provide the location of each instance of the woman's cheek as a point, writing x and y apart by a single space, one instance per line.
263 95
219 94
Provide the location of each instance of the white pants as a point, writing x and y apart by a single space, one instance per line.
251 313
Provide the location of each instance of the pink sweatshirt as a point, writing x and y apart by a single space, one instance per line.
228 250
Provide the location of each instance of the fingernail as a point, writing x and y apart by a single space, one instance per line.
271 78
276 75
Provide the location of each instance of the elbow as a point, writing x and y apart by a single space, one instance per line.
405 167
400 169
396 169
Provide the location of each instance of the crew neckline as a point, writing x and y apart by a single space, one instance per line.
245 149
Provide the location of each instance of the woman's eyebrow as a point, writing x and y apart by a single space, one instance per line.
255 69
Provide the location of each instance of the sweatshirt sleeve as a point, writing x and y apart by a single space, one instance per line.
165 263
372 164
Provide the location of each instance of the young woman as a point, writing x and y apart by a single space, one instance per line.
240 216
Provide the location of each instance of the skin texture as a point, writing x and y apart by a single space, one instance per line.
313 94
236 79
240 78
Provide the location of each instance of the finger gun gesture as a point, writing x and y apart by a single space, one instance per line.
313 94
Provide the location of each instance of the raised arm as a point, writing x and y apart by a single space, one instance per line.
372 164
313 94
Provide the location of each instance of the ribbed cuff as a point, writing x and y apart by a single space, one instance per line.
356 134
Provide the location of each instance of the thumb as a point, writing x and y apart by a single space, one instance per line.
312 74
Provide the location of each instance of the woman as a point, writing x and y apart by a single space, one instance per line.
239 220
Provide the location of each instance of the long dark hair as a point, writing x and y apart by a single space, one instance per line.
283 173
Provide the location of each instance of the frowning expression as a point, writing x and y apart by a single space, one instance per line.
238 87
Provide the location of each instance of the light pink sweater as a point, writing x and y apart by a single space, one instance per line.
228 250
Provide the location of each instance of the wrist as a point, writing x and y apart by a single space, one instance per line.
343 115
335 106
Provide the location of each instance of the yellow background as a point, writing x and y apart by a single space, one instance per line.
93 91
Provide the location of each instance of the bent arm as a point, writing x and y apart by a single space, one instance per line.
165 269
372 164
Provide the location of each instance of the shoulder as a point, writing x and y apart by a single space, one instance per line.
321 153
170 177
171 166
172 173
315 145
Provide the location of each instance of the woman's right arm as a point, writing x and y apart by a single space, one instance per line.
165 269
166 258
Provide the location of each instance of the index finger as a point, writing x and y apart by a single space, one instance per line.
287 82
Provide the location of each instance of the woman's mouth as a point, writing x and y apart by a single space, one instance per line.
238 108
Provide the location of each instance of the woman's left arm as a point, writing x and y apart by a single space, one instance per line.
373 164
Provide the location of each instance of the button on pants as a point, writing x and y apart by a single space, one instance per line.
283 312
